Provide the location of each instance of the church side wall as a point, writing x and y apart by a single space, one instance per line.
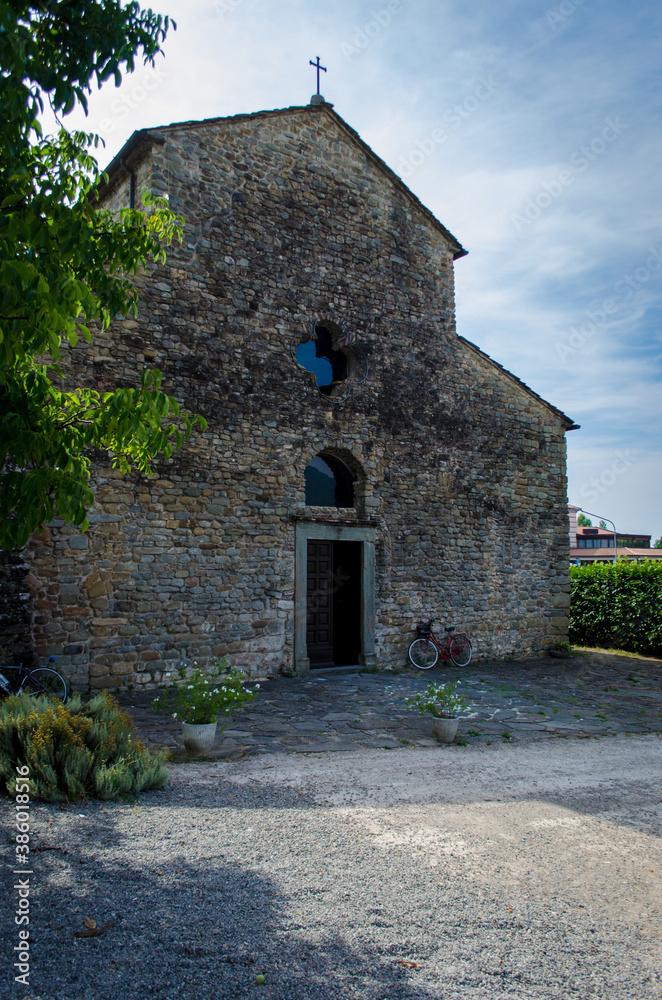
462 470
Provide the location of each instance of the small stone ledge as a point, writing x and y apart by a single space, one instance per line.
330 515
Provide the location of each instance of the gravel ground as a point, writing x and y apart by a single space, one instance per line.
528 871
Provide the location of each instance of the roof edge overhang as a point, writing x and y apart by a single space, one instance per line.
458 249
606 554
134 147
127 157
568 424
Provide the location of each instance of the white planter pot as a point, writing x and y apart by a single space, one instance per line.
445 729
198 739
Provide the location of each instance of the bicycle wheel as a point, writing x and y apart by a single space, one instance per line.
460 650
45 680
423 653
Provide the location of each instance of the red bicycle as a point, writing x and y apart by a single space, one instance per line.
426 648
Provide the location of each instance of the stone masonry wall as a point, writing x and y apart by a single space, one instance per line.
462 469
15 610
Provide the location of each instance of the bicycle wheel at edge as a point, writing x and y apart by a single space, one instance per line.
460 650
423 653
45 681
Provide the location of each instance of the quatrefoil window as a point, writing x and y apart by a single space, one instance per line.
324 351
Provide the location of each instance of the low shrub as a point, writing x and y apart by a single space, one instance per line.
617 605
561 648
76 750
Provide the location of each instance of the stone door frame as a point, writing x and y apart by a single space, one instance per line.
337 533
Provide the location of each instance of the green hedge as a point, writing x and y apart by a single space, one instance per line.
617 606
74 751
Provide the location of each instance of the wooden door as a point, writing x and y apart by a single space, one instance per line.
319 622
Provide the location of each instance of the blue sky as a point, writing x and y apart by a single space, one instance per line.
531 130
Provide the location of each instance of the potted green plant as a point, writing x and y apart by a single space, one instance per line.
199 697
441 702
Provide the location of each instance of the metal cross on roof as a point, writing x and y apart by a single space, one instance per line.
318 68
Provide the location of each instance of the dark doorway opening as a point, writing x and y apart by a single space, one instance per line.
333 632
347 603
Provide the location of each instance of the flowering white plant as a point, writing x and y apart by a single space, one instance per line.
439 700
200 696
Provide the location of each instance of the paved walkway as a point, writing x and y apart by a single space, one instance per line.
590 694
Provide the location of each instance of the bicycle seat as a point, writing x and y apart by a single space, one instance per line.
450 629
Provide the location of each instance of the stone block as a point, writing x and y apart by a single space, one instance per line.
98 683
122 669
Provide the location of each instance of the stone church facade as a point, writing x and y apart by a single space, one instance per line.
363 467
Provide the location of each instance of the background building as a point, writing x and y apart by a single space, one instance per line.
588 545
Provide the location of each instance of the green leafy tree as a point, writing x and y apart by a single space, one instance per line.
584 522
658 544
65 265
603 524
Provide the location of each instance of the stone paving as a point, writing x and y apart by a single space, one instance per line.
592 693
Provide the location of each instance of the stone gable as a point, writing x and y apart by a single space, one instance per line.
460 491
